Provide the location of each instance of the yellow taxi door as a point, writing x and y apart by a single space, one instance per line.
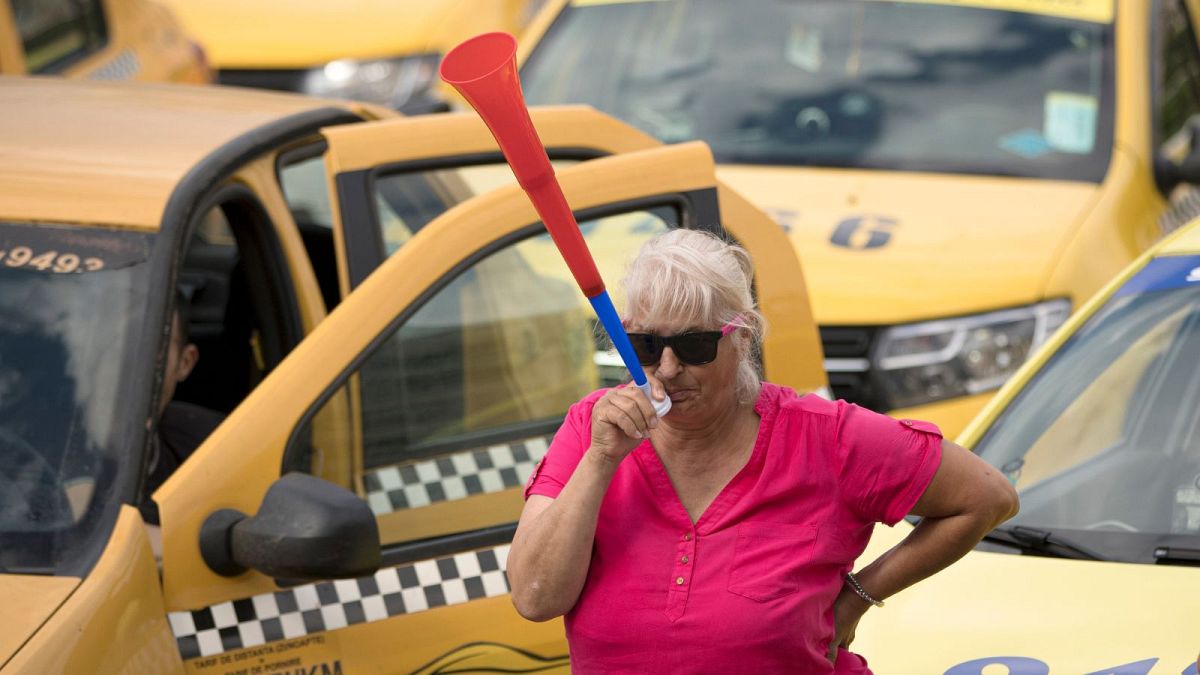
395 176
464 350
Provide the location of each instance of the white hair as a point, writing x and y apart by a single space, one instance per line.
699 280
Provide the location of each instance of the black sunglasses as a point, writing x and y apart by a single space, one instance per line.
695 349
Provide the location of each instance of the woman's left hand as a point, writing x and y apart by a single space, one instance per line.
847 610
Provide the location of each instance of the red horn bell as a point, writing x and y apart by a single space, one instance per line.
484 70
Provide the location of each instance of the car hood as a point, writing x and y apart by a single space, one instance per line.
1074 616
28 602
306 33
886 247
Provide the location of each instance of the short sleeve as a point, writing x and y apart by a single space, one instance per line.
566 449
886 463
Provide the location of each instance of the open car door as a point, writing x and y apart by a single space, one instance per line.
462 352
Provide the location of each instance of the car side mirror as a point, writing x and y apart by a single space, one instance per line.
306 529
1168 174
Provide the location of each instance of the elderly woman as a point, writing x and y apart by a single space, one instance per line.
720 538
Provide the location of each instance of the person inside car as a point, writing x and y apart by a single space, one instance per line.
182 426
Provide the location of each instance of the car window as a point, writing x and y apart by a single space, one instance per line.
306 192
404 200
302 179
1105 440
73 301
407 200
243 313
895 85
57 33
461 399
1177 102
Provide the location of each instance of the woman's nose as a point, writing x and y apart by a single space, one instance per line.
668 365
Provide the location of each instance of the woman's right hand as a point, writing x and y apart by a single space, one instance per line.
622 419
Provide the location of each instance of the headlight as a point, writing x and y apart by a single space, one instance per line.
391 82
925 362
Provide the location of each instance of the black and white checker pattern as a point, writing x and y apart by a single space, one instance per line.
330 605
456 476
123 67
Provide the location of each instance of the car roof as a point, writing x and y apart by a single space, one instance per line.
111 153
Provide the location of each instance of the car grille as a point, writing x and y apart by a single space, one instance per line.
848 364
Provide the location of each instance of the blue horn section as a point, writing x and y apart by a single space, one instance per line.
604 309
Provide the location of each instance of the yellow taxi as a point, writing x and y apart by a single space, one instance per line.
1100 433
390 344
382 52
98 40
956 175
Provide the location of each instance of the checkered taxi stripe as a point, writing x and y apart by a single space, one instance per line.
457 476
329 605
124 67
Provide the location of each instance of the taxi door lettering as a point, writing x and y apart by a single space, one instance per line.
863 232
1021 665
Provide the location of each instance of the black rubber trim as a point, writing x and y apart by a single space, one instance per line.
361 230
698 209
437 547
265 245
556 153
297 154
178 221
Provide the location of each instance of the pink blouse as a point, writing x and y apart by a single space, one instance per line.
748 587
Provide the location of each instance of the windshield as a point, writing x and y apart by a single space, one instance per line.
71 299
922 86
1103 444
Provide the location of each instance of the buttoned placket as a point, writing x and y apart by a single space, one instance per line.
680 583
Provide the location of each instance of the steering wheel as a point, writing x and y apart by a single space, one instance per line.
32 497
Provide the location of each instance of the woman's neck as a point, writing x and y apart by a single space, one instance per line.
725 437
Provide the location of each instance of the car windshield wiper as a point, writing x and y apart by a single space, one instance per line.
1043 542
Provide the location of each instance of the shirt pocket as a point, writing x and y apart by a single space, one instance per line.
768 557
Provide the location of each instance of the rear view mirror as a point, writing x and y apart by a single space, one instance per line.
306 528
1169 173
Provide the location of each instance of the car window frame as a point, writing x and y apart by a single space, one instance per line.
1155 62
365 245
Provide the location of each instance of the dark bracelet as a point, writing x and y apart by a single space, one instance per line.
862 593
